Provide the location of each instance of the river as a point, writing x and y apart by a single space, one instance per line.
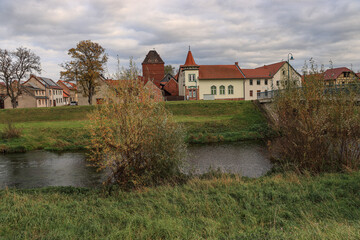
42 168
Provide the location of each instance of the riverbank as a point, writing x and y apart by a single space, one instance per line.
65 128
271 207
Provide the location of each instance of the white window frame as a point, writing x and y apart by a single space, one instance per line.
230 89
222 90
213 90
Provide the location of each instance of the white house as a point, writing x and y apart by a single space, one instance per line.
230 82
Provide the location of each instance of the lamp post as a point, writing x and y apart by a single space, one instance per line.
289 58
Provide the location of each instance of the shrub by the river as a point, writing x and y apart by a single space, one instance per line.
10 131
135 139
319 125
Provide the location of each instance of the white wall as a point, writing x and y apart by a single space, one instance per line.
238 86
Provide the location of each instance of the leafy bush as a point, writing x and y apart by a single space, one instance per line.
319 126
10 131
135 138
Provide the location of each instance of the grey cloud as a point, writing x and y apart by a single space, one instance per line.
219 31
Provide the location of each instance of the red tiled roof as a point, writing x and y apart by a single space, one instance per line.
358 74
334 73
219 72
272 68
65 94
190 60
256 73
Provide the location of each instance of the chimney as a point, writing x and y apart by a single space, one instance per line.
237 63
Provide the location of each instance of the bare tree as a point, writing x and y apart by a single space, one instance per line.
86 67
14 67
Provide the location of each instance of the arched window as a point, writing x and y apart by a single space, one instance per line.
230 89
213 90
222 90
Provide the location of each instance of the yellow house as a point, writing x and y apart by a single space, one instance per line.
339 76
46 88
269 77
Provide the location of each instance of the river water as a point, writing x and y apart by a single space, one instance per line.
41 168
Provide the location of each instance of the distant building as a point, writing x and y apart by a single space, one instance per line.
50 92
37 92
70 90
170 87
339 76
269 77
153 68
230 82
101 92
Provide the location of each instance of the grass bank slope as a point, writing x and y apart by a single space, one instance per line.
275 207
65 128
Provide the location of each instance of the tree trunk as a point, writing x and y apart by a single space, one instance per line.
13 102
90 98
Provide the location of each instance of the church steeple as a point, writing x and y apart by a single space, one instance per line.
190 59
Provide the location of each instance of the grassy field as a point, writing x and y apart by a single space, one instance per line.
64 128
272 207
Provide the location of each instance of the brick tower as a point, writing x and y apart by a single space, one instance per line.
153 68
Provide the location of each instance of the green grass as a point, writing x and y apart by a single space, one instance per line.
64 128
272 207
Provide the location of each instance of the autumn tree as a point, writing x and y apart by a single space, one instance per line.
134 138
15 66
86 67
319 125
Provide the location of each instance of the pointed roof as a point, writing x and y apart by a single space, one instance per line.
190 60
152 57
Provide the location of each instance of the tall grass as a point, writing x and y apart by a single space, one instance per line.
227 207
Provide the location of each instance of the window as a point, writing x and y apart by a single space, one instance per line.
49 92
191 77
222 90
277 83
213 90
266 93
258 93
251 82
258 82
266 82
251 93
194 93
346 74
230 89
283 72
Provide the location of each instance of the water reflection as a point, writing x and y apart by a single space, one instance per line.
246 159
41 168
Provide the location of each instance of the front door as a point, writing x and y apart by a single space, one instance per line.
54 103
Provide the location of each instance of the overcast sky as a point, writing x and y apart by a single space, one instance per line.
251 32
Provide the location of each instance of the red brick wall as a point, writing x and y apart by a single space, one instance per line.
172 87
187 93
154 72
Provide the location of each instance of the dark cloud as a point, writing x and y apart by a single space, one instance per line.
219 31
